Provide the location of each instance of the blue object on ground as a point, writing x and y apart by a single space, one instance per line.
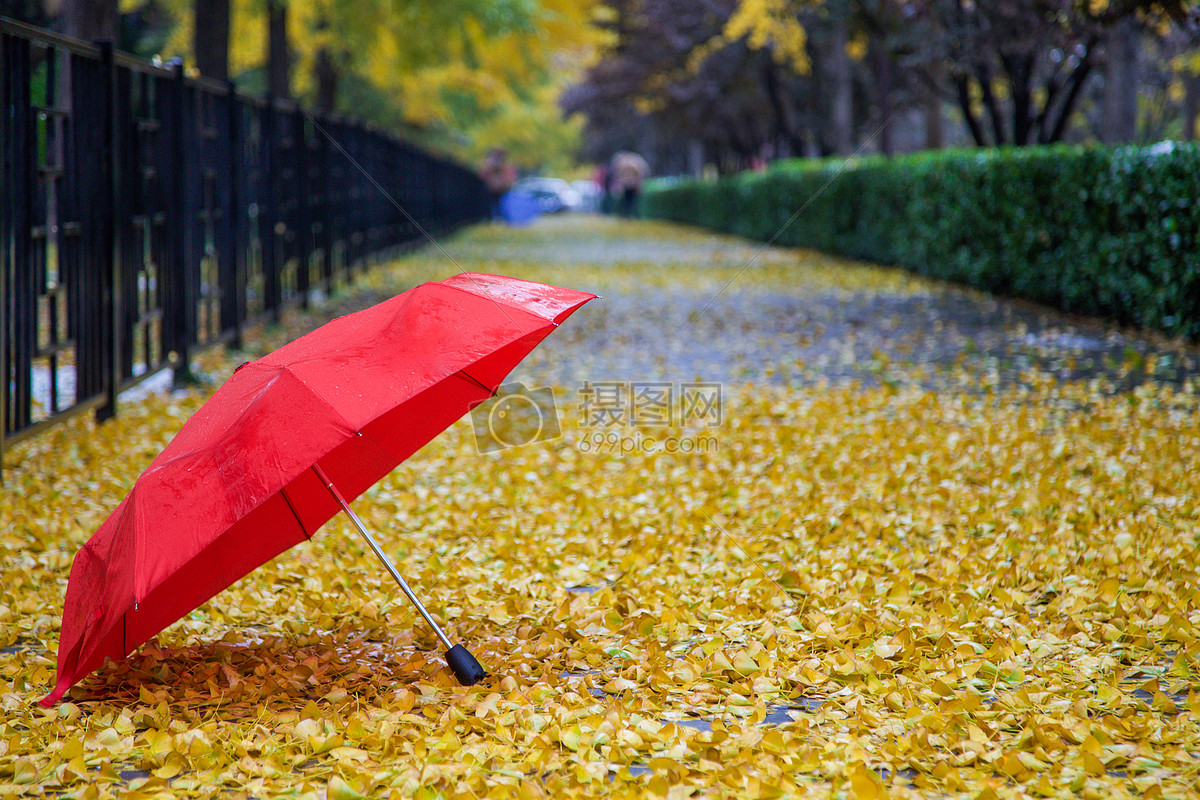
519 208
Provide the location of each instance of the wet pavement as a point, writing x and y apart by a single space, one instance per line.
771 316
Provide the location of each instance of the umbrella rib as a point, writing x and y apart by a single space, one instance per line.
319 397
476 381
286 499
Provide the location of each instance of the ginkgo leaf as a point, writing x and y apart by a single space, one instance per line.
972 579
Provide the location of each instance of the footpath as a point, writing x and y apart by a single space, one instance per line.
788 526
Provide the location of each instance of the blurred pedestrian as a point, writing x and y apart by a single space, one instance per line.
604 178
498 175
629 171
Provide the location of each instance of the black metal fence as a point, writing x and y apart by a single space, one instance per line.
144 214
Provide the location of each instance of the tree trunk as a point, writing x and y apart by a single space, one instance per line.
963 87
325 74
935 130
210 38
1191 106
1121 83
278 68
32 12
882 63
983 77
1050 134
841 115
91 20
695 158
1020 80
785 125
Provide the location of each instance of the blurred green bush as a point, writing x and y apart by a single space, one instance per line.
1112 233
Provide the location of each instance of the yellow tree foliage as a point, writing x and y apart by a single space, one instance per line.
450 66
533 132
772 24
510 85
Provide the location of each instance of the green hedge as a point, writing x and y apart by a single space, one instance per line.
1112 233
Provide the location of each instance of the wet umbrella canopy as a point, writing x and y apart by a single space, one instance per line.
284 442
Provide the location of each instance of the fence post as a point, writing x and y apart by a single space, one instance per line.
269 214
303 218
20 153
325 223
182 308
110 243
229 252
6 180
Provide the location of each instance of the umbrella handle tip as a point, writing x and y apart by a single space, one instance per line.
466 668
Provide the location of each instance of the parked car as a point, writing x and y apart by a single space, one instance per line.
590 194
551 194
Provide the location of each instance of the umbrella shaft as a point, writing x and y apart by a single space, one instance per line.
387 562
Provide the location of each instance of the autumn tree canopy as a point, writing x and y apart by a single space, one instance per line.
456 75
729 81
695 82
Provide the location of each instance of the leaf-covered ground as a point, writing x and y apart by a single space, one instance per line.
938 545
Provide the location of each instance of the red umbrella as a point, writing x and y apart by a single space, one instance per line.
276 450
